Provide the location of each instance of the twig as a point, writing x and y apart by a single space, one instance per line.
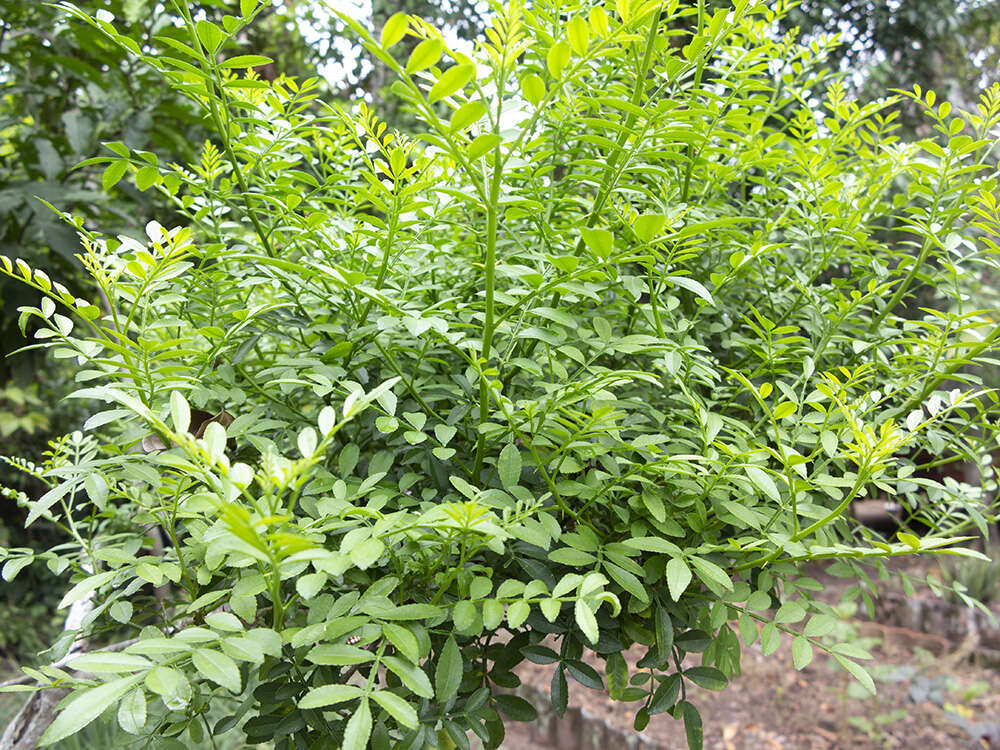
25 679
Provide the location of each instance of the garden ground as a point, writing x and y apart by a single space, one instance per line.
924 701
932 693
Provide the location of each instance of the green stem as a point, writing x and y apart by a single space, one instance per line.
694 92
925 249
223 129
453 574
608 180
950 370
835 513
489 325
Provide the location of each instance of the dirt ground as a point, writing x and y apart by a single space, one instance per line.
931 695
923 702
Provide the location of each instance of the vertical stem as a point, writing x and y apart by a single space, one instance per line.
694 93
274 589
608 180
925 249
222 126
489 324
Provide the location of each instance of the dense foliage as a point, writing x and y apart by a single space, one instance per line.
66 88
601 357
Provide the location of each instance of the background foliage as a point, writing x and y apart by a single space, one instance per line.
599 354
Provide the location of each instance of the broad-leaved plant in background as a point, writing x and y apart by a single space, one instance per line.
596 361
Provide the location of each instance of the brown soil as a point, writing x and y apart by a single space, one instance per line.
923 702
931 695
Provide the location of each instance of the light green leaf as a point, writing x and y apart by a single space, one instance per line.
493 614
307 442
86 706
215 440
150 572
224 621
453 79
468 114
328 695
163 680
113 174
413 677
397 707
770 639
802 652
533 88
132 712
217 667
85 587
789 612
557 58
686 282
711 573
359 728
100 662
509 466
647 227
550 608
759 600
858 672
481 144
654 544
425 54
121 611
820 625
678 577
404 641
585 620
830 442
748 629
310 584
339 654
394 30
763 482
579 34
243 648
246 61
466 617
599 241
784 409
210 35
517 613
180 412
146 177
367 553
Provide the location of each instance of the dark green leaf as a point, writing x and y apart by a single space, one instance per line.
692 726
448 672
706 677
516 708
559 691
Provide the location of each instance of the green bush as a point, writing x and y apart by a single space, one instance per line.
971 582
599 358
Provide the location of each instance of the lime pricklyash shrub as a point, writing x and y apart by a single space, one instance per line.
596 360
